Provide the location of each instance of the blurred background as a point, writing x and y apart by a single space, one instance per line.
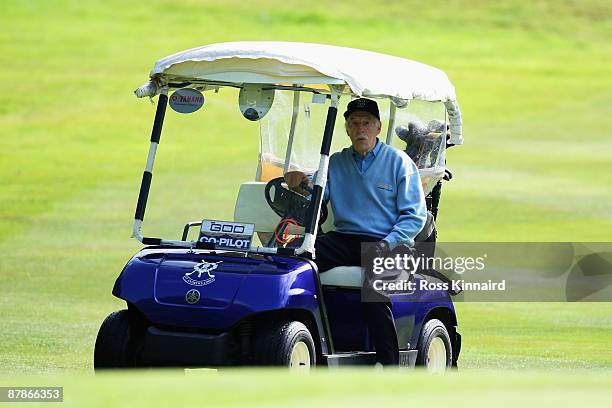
533 79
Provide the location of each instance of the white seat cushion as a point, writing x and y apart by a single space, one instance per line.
251 207
352 276
345 276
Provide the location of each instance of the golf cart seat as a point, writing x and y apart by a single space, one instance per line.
251 207
343 276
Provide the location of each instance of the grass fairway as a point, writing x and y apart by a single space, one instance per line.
534 81
363 388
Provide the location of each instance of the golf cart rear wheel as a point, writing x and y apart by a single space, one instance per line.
434 348
118 341
287 344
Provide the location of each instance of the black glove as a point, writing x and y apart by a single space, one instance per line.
378 250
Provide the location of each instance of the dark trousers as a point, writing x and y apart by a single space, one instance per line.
337 249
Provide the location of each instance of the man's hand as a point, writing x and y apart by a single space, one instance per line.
295 180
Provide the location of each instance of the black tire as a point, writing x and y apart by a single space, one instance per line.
119 341
433 332
274 345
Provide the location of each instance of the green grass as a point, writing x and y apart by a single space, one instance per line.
267 388
534 81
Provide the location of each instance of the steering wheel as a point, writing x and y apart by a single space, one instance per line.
289 204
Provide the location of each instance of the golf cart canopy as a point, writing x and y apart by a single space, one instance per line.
365 73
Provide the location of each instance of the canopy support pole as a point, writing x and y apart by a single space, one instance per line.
391 122
147 175
294 116
314 211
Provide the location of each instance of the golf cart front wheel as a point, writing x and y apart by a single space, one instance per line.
287 344
434 348
118 341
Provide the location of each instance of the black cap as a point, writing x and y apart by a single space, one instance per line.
362 104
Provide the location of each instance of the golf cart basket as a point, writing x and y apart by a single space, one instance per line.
295 90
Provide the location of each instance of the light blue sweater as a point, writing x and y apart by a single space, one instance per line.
386 201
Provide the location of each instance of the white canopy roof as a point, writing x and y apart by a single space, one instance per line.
366 73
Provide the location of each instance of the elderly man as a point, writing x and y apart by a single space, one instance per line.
376 197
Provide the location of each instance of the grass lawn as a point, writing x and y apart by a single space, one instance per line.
534 82
269 388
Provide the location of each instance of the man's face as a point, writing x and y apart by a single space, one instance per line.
362 128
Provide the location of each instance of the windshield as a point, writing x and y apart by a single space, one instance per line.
206 168
275 133
230 178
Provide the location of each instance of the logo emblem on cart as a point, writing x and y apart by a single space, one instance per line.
204 276
192 297
186 100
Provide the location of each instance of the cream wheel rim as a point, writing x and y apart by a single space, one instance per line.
300 357
436 356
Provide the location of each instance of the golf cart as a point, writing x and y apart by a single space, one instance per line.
225 299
